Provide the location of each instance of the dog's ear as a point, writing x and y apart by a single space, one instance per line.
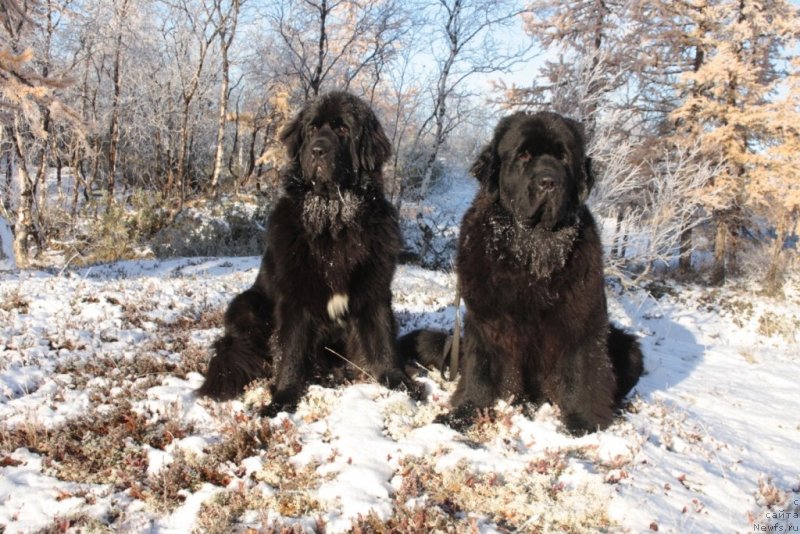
582 164
292 136
374 147
485 167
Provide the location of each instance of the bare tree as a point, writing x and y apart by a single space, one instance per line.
659 197
466 44
404 100
121 12
334 42
190 34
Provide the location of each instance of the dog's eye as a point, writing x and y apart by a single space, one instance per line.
340 126
524 157
312 129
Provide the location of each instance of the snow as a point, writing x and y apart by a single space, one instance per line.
708 442
6 246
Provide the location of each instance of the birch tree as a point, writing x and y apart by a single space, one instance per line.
226 19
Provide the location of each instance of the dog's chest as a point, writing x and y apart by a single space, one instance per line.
337 258
334 231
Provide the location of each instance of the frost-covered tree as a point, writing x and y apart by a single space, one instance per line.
727 107
332 43
29 107
189 32
779 184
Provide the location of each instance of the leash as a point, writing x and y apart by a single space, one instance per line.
455 345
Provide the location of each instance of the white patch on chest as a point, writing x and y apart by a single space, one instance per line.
337 306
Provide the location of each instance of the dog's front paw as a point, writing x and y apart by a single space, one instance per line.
281 402
578 425
460 418
397 379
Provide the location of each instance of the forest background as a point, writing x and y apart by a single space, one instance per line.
133 128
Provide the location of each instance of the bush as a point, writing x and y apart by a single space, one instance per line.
124 228
224 228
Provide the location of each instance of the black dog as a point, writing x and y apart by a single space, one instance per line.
531 273
323 289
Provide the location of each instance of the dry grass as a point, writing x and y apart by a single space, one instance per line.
451 501
772 324
248 459
103 447
14 301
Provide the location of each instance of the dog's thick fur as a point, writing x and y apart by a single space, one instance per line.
324 282
531 272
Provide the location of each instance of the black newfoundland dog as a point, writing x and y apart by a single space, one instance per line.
323 289
530 269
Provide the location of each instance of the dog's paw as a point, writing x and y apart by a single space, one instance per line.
416 390
281 402
460 418
397 379
578 425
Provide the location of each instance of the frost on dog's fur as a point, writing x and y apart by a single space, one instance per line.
333 214
540 252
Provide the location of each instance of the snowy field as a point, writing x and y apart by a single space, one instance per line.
101 429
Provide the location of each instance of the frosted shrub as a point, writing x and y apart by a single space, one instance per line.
226 228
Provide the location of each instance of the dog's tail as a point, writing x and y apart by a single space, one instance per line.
627 359
430 348
241 355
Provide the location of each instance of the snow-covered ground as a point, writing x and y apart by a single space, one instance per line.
99 425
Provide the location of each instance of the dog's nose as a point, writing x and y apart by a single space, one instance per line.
317 151
547 183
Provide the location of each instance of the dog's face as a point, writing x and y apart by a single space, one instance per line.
337 141
537 167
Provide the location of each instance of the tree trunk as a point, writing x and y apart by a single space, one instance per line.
9 176
183 148
719 271
685 258
440 111
40 224
113 130
226 30
773 281
223 111
316 78
618 251
236 174
24 222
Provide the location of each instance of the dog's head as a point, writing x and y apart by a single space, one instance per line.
537 168
337 142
